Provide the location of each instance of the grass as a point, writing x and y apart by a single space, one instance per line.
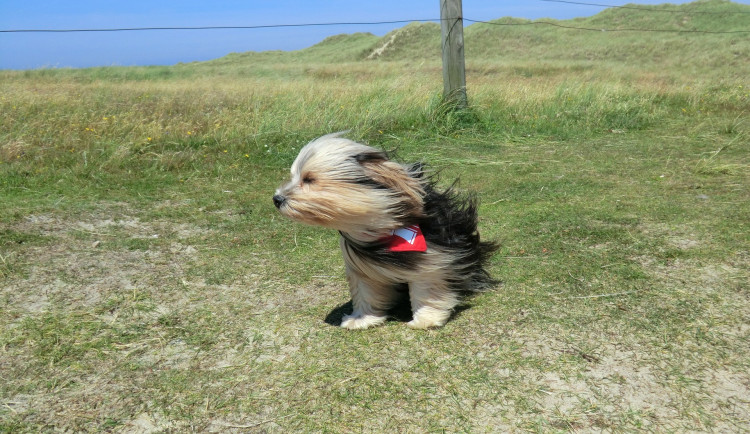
147 283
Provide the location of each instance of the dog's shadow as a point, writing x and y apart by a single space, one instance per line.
401 312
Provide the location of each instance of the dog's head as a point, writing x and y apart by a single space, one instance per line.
344 185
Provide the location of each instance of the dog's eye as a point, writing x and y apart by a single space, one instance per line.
308 179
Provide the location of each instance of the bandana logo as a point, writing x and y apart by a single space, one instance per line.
408 239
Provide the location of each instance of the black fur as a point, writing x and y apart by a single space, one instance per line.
370 183
378 252
449 221
371 156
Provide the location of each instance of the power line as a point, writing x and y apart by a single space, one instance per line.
639 8
548 23
269 26
263 26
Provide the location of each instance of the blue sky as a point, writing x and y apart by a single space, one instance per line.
37 50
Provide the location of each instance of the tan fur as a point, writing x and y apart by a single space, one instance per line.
394 176
332 200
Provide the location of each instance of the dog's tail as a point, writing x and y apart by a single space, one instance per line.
451 222
480 278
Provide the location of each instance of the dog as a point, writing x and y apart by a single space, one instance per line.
398 232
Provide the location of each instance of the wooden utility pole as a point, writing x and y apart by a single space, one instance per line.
454 70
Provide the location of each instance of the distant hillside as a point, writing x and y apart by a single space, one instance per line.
413 41
338 48
635 36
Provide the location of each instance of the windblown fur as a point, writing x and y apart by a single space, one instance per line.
362 193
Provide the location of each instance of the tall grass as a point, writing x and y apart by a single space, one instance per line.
58 116
51 119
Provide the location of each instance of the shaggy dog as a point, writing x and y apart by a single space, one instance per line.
397 230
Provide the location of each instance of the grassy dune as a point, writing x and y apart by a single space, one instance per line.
147 283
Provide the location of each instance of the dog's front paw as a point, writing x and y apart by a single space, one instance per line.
426 317
361 321
423 324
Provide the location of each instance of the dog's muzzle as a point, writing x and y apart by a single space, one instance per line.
278 200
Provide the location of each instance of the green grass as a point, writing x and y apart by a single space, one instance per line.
148 283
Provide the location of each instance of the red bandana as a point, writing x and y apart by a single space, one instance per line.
408 239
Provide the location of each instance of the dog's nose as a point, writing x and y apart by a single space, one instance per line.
278 200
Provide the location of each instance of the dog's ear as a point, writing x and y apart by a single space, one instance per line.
389 174
371 157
